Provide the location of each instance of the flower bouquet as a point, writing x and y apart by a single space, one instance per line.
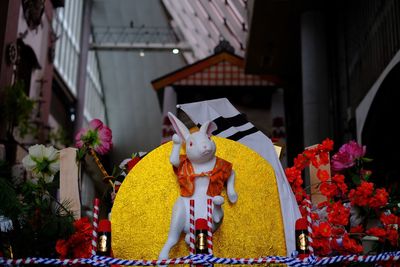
354 210
32 217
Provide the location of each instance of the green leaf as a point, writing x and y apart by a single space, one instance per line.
356 179
116 171
80 154
16 109
367 176
367 160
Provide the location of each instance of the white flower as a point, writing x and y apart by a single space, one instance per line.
43 162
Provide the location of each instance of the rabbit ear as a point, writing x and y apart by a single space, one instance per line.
208 127
179 127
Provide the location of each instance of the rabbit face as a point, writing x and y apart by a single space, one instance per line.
200 147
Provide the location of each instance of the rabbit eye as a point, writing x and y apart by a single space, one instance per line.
190 143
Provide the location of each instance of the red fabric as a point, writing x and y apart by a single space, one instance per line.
133 162
218 176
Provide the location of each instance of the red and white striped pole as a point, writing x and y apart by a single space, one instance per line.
96 204
192 230
309 225
209 226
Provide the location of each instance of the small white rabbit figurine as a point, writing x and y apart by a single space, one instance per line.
201 175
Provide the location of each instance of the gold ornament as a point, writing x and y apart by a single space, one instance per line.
142 210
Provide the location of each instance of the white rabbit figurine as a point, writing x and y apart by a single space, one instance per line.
201 175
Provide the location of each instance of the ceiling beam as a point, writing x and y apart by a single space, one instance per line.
183 47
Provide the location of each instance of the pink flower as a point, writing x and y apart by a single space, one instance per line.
347 156
341 161
97 136
353 149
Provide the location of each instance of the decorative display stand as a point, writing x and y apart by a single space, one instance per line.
206 259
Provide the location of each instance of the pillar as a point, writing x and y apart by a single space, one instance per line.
82 64
315 78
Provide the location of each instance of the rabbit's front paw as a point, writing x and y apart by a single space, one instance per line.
187 238
233 197
218 200
163 255
176 139
217 211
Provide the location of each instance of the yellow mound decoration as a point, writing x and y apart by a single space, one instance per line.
142 210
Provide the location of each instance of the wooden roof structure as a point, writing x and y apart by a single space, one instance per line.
221 69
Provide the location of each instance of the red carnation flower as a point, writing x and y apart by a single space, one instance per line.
327 145
378 232
357 229
379 199
78 245
323 175
322 230
392 235
351 246
328 189
389 219
338 214
321 246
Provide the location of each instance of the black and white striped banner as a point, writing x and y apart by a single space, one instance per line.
233 125
233 128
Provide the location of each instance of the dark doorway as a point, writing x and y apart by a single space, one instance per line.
28 62
381 132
